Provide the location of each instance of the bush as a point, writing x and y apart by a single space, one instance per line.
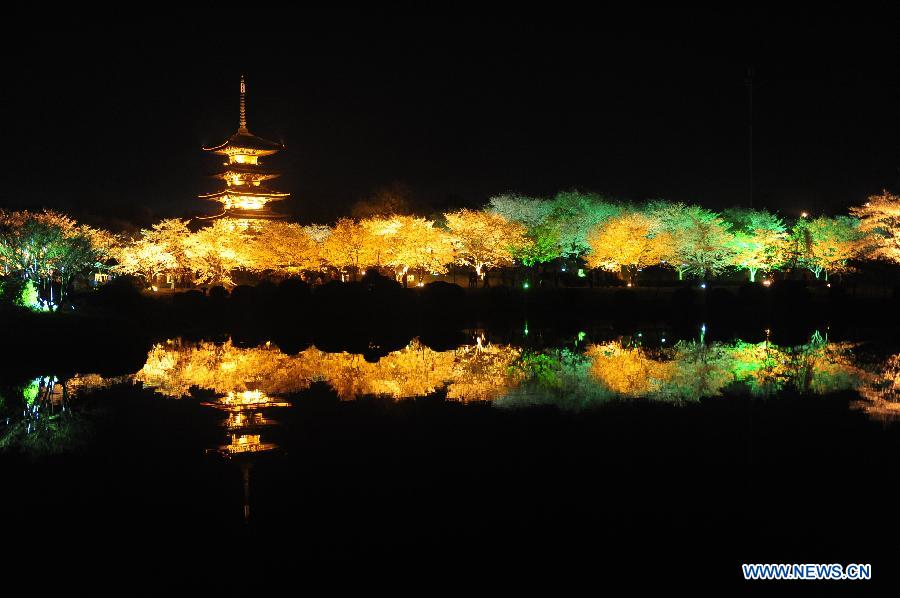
217 293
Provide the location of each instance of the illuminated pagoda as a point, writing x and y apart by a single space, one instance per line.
245 197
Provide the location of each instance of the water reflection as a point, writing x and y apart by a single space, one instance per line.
481 371
247 383
573 376
37 416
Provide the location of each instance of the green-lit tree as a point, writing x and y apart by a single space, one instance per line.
759 240
50 250
701 243
573 215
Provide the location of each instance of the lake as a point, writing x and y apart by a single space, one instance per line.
595 452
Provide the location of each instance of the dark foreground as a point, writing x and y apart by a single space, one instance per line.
630 492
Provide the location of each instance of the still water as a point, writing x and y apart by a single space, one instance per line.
526 433
245 382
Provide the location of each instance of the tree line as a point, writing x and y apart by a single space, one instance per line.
42 253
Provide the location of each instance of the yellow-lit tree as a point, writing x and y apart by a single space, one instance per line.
880 221
144 258
284 248
216 251
626 243
349 247
411 243
381 239
484 240
156 251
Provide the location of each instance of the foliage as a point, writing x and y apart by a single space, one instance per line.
573 215
759 240
627 242
214 253
879 220
701 244
52 250
484 240
49 249
826 244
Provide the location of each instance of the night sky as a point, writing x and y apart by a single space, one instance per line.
106 122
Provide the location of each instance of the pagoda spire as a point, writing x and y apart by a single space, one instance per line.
243 195
243 123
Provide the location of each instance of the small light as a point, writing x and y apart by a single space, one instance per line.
663 339
804 214
767 283
629 284
525 285
702 285
828 285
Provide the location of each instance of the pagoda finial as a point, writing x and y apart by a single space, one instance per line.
243 123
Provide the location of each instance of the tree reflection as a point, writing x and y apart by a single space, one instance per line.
246 382
880 394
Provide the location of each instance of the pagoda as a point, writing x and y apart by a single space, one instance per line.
244 196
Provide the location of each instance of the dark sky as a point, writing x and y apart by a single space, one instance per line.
106 121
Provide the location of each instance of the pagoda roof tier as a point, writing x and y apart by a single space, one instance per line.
245 140
246 169
256 176
265 213
245 191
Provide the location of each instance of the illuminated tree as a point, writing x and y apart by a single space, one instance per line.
283 248
156 251
701 242
542 243
49 249
381 240
826 244
627 243
145 258
880 221
484 240
759 241
573 214
348 247
416 244
531 212
213 253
